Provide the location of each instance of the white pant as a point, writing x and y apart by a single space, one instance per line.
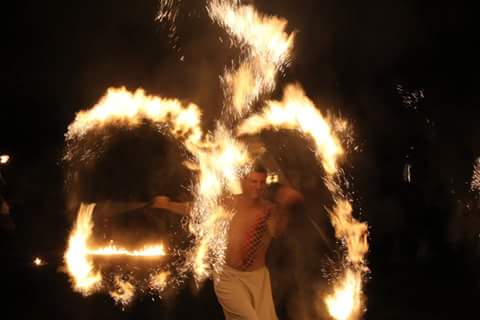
245 295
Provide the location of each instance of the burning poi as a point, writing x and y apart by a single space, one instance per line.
221 159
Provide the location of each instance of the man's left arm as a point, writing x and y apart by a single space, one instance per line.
285 199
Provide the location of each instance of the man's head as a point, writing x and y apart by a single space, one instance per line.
253 184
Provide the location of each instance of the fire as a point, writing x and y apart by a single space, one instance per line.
297 112
124 291
345 302
221 159
352 232
127 108
4 159
78 257
78 263
153 251
265 45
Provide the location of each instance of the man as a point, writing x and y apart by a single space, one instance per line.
243 288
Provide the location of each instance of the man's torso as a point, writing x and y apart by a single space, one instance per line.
249 235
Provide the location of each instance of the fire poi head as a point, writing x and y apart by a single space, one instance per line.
220 159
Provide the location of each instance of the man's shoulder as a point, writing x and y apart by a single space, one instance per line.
267 204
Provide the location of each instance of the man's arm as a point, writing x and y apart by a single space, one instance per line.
284 200
162 202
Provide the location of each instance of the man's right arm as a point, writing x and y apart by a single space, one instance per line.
162 202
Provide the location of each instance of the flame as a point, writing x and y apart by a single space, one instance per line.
352 232
124 107
297 112
265 45
124 291
147 251
4 158
79 265
345 302
78 257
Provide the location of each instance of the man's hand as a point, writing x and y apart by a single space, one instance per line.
287 197
161 202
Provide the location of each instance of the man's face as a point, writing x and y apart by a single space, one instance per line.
253 185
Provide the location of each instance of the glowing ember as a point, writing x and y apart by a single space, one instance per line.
4 158
38 262
475 185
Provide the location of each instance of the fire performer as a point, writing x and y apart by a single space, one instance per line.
243 288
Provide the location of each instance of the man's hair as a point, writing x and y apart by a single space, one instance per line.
258 167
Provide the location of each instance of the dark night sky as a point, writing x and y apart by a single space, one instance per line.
60 57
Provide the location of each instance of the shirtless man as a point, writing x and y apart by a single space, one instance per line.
243 288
